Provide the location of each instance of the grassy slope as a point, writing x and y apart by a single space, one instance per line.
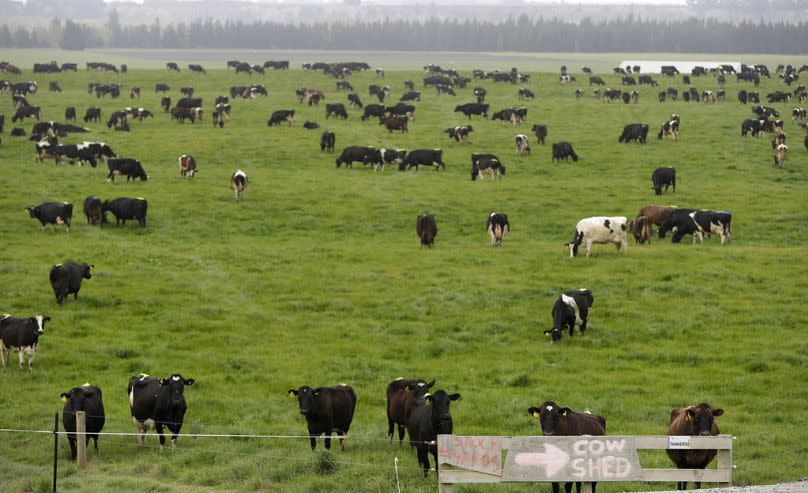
317 278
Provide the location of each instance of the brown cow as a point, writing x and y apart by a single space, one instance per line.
400 394
694 421
641 229
657 214
395 123
563 421
187 166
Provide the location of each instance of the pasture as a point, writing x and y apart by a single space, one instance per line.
317 277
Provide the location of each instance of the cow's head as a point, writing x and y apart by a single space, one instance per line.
305 398
549 415
86 271
176 386
39 320
441 416
702 417
33 210
562 312
420 388
575 243
74 399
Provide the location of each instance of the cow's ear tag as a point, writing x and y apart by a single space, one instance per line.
316 393
535 414
291 394
162 381
64 399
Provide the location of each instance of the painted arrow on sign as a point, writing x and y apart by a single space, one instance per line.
553 459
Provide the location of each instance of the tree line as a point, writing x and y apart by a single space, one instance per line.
522 34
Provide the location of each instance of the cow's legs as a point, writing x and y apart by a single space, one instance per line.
390 427
31 352
140 430
313 440
327 440
588 248
401 431
161 436
342 435
3 355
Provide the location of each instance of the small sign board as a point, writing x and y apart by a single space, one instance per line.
481 454
679 442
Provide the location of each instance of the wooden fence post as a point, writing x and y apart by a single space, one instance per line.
81 439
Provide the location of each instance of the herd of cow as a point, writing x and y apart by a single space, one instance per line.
159 402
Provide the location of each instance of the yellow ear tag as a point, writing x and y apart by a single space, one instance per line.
64 399
546 335
535 414
162 381
291 395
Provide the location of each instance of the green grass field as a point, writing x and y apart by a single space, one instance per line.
317 278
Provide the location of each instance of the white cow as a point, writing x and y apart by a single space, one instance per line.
599 229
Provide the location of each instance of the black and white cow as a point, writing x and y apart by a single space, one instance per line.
52 213
459 133
599 229
469 109
100 150
124 208
634 131
569 310
376 110
187 166
482 166
281 116
70 114
353 100
326 409
379 157
327 141
131 168
425 157
670 128
497 226
87 399
427 229
66 279
156 403
682 222
73 153
21 335
752 127
798 114
238 182
664 176
522 145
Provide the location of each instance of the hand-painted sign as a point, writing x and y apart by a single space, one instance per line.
482 454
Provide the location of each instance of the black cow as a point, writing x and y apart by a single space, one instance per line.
92 114
172 66
344 85
697 223
353 100
664 176
281 116
570 309
2 122
411 96
193 67
469 109
70 113
401 109
124 208
426 157
309 125
540 131
20 335
327 409
327 141
563 150
86 398
189 103
751 126
165 102
596 80
352 154
427 229
336 110
157 403
160 87
669 70
129 167
379 157
429 417
634 131
52 213
117 119
24 112
100 150
93 210
373 110
765 111
401 393
66 279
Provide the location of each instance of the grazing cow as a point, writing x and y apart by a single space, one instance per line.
379 157
281 116
172 66
579 94
99 150
134 93
131 168
525 93
569 310
186 92
194 67
124 208
442 89
661 96
427 229
540 131
160 87
238 182
599 229
669 70
395 122
798 115
401 109
24 112
187 166
479 94
17 132
411 96
697 223
754 97
596 80
429 417
497 226
189 102
379 73
663 176
344 85
563 150
352 154
626 96
459 133
780 155
743 96
52 213
707 97
327 141
327 409
647 80
66 279
752 127
373 110
426 157
669 129
401 393
656 214
87 399
70 113
641 230
93 210
469 109
634 131
353 100
566 79
563 421
336 110
156 403
522 145
486 165
309 125
181 114
118 119
20 335
693 421
141 113
165 102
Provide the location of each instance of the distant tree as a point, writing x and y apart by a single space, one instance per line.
73 37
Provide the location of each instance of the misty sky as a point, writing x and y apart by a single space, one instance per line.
450 2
